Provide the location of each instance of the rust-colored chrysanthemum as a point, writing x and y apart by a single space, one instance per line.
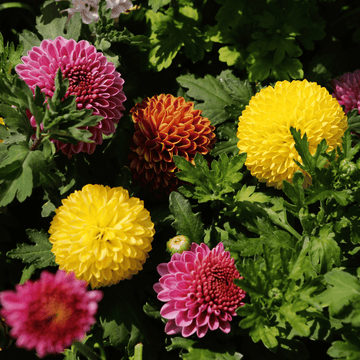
166 126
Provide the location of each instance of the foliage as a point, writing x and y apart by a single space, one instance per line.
297 249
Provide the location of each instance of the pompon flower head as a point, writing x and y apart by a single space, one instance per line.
199 290
48 315
264 128
166 126
93 80
347 90
101 234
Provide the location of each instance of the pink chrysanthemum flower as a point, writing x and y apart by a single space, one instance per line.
93 80
199 290
48 315
347 90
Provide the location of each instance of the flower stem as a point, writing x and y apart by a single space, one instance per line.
86 351
138 351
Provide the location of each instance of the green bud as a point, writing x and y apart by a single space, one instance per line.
178 244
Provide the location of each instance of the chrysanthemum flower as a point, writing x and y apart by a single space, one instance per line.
264 128
93 80
347 90
48 315
101 234
166 126
199 290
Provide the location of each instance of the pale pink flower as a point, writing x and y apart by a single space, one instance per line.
48 315
347 90
93 80
87 8
199 290
118 7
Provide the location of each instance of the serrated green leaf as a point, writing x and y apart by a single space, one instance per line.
249 194
240 91
260 327
344 289
349 349
324 250
186 222
211 92
233 56
52 24
299 323
39 255
226 132
123 320
196 352
157 4
28 40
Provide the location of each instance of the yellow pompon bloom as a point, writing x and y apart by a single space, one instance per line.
264 128
101 234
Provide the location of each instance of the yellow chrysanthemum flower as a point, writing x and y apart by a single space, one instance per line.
101 234
264 128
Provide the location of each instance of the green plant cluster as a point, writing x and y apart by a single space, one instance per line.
297 250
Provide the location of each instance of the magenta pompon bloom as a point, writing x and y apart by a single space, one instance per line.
48 315
93 80
347 90
199 290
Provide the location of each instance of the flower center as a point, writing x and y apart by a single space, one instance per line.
55 313
215 286
83 84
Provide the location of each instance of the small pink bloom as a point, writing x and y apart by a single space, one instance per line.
48 315
199 290
347 90
93 80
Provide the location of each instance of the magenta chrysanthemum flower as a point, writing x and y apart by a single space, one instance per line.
347 90
48 315
93 80
199 290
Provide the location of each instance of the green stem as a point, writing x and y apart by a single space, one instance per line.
86 351
17 5
138 351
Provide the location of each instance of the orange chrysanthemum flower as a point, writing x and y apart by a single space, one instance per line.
166 126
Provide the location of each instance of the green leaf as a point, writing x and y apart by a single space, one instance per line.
260 327
223 178
324 250
197 352
240 91
52 24
211 92
226 132
123 320
39 255
344 289
233 56
28 40
310 162
247 193
298 323
156 4
349 349
186 222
